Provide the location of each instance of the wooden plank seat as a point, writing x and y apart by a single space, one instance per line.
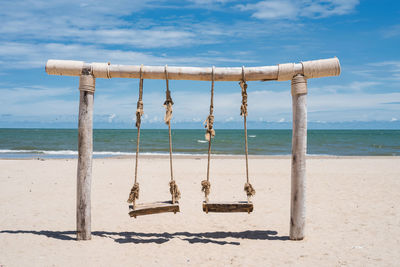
153 208
235 206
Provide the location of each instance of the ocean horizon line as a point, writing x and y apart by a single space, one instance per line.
25 142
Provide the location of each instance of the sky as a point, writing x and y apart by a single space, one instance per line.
364 35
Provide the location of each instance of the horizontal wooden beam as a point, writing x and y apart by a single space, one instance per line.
280 72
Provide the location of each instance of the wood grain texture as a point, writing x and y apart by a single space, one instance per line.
153 208
282 72
236 206
299 149
85 150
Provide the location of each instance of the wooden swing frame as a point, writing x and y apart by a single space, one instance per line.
298 73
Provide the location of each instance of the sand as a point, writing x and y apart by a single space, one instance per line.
353 214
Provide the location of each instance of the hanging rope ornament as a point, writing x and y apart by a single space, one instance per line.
248 187
134 194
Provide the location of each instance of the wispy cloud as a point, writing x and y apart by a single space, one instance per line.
350 88
293 9
381 71
26 55
392 31
193 105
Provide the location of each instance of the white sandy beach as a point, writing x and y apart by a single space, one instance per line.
353 214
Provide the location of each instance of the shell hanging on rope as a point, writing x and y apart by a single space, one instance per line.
174 190
134 194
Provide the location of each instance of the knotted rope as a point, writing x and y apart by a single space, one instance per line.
168 100
134 194
210 133
173 187
248 188
174 190
205 187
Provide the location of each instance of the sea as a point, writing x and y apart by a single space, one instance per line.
62 143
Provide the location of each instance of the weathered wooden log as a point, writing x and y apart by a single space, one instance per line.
85 150
237 206
299 149
281 72
153 208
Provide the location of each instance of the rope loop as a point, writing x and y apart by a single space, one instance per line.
168 100
108 70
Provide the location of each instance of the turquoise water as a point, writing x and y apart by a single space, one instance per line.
62 143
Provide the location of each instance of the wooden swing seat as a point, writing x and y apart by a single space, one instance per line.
153 208
235 206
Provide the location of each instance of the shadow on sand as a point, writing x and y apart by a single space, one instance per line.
159 238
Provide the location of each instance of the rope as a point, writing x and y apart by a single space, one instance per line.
134 194
205 187
210 133
248 188
173 187
139 110
174 190
168 100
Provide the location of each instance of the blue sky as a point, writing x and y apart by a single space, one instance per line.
364 35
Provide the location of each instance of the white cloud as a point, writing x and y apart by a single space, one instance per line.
111 117
293 9
25 55
193 105
271 9
392 31
345 88
380 71
207 2
394 119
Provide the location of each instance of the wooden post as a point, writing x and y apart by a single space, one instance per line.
299 149
85 151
